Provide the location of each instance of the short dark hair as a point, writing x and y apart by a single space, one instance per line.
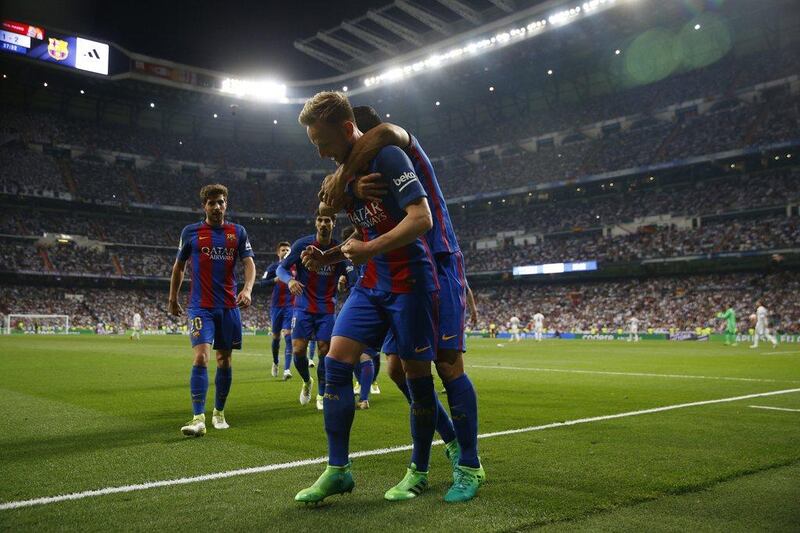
282 244
213 189
366 117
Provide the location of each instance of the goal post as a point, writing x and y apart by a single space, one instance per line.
37 324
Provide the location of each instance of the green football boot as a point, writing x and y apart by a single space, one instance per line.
334 480
411 485
452 450
466 483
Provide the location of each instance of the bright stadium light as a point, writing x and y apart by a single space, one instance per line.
344 89
617 52
4 76
697 26
45 84
491 89
215 115
499 39
275 121
265 91
152 105
438 103
83 92
388 115
549 72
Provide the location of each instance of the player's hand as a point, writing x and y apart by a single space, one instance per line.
295 287
342 286
174 308
358 252
244 299
332 191
370 188
312 258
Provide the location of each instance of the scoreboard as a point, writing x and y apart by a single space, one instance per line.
70 51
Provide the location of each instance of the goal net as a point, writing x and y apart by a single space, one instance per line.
32 324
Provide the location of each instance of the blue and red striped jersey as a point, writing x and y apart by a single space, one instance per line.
212 252
409 267
441 237
319 294
281 297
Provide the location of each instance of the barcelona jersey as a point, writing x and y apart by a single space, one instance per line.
281 297
319 294
212 253
408 268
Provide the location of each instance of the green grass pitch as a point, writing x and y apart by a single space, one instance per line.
86 413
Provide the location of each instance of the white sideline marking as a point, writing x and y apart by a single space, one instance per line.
774 408
380 451
635 374
782 352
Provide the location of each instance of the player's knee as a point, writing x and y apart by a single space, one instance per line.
322 348
449 365
395 370
416 369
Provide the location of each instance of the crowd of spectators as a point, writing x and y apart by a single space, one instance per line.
649 243
731 123
660 304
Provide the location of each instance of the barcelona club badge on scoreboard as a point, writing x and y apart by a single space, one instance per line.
58 49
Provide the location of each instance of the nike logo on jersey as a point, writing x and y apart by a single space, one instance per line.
201 238
448 337
420 350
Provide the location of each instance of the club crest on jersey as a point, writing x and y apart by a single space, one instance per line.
230 236
58 49
405 179
367 216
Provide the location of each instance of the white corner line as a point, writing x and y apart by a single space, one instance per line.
774 408
632 374
366 453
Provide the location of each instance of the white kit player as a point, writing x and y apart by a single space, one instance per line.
762 326
633 329
515 328
538 326
137 326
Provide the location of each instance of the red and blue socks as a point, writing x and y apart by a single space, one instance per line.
464 408
198 387
222 386
339 409
423 420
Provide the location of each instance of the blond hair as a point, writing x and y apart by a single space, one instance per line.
213 189
328 106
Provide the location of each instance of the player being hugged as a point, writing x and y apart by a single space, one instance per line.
314 301
397 292
213 247
461 433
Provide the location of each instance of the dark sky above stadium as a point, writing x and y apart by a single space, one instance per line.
243 38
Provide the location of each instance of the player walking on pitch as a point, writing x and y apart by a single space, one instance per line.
633 329
137 326
514 329
213 247
538 326
762 326
280 310
314 303
729 316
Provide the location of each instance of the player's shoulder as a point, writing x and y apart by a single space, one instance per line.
391 155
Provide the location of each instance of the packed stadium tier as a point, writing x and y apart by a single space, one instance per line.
660 304
568 147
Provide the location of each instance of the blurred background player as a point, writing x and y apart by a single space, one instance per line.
214 247
451 277
538 326
729 316
137 326
314 301
280 310
633 329
514 328
762 326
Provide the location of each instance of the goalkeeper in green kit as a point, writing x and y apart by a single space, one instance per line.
730 326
